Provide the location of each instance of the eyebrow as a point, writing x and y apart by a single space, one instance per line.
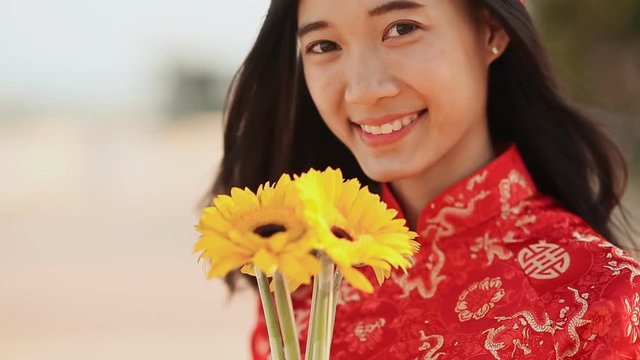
387 7
394 6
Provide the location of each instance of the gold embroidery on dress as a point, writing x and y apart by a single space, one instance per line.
363 330
492 346
585 238
441 226
544 260
615 266
519 345
563 314
433 353
616 269
575 322
347 294
408 285
633 311
524 221
530 320
527 320
476 180
510 238
602 244
493 291
514 177
436 260
302 320
492 246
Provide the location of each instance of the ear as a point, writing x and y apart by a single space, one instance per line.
494 36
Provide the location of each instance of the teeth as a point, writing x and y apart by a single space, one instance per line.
388 128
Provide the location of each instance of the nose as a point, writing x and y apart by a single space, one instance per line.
368 78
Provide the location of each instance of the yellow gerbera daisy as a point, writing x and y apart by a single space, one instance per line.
354 227
265 229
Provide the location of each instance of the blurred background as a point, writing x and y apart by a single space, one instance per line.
110 136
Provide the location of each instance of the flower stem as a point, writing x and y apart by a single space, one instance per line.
286 317
275 339
337 280
319 338
311 330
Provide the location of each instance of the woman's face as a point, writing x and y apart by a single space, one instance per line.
400 83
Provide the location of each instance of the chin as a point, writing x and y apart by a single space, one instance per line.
383 174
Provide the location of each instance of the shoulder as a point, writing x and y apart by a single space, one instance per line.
554 246
589 287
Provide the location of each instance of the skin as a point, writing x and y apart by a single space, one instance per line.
435 55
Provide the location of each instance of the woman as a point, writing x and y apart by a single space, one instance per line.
448 108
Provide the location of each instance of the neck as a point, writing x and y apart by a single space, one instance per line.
463 159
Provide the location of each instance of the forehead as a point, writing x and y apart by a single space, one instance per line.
330 12
309 8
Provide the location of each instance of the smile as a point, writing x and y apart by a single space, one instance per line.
390 131
392 126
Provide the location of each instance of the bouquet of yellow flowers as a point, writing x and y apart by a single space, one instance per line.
315 227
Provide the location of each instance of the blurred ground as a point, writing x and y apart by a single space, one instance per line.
96 230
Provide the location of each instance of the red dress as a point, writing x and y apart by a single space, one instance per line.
504 272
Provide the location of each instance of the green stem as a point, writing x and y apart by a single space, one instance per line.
311 330
275 339
337 281
319 341
286 317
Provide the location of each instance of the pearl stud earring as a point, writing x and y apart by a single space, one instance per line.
495 50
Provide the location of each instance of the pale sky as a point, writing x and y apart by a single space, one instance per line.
90 53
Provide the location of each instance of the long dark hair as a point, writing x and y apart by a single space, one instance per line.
272 125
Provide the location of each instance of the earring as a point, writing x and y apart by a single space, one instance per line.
495 50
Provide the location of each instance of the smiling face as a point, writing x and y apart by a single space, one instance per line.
403 84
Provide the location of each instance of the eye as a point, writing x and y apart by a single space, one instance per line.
321 47
400 29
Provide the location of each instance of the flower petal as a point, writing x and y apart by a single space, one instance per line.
222 267
265 261
356 279
248 269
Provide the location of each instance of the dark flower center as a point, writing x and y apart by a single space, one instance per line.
340 233
268 230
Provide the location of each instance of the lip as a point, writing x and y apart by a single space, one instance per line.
387 139
385 119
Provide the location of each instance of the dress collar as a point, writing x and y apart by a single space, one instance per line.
497 189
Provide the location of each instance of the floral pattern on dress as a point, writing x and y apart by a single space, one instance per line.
600 317
479 298
633 310
504 272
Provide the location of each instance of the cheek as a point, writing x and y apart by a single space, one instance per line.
325 90
448 79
